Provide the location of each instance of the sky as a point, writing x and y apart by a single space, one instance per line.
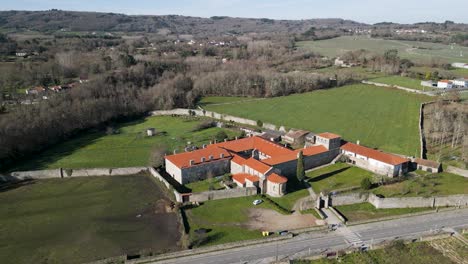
367 11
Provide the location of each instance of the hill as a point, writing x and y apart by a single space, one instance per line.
53 20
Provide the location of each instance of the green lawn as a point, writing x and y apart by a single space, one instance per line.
433 184
366 211
225 219
130 147
289 200
78 220
360 71
203 186
413 50
379 117
337 176
417 253
402 81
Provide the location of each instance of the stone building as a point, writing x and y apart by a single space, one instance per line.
296 137
427 165
253 161
373 160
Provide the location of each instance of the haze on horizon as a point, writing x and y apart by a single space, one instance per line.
366 11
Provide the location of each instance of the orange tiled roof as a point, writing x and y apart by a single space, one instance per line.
265 146
329 135
257 165
242 177
275 178
309 151
374 154
238 159
182 160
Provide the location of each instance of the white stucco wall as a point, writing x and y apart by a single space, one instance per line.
174 171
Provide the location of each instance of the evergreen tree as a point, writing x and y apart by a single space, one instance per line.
300 172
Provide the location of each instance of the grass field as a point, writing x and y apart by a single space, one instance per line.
78 220
203 186
413 50
224 218
379 117
223 100
130 147
417 253
402 81
336 176
433 184
366 211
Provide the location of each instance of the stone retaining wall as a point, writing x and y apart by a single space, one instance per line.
65 173
158 176
348 198
223 194
415 202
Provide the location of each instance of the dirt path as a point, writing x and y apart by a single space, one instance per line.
270 220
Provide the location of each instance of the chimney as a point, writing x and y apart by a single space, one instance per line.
202 159
215 141
221 155
211 157
211 142
175 151
225 140
204 146
192 162
237 137
358 142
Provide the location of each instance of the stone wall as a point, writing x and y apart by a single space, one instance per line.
224 117
160 178
289 168
348 198
415 202
223 194
201 172
65 173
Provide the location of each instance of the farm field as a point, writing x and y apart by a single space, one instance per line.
78 220
402 81
379 117
224 100
336 176
413 50
366 211
443 183
129 147
397 253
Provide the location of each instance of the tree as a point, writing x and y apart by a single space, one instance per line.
300 172
157 155
366 183
221 136
259 123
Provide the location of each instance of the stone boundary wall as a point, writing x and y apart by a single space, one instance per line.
223 194
205 113
348 198
66 173
415 202
398 87
158 176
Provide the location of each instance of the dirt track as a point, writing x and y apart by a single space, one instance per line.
270 220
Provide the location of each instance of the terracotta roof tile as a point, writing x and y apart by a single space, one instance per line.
374 154
257 165
182 160
427 163
275 178
309 151
329 135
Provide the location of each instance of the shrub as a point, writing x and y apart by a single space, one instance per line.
366 184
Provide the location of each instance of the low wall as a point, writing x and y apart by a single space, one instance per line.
65 173
36 175
224 117
348 198
457 171
158 176
415 202
223 194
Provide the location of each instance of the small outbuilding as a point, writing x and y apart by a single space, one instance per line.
296 136
150 132
427 165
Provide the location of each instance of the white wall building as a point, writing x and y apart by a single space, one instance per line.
445 84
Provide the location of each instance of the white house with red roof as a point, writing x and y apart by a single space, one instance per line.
373 160
253 162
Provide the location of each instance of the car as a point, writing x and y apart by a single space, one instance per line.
257 202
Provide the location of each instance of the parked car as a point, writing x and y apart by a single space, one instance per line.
257 202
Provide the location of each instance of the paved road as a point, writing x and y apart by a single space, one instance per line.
312 243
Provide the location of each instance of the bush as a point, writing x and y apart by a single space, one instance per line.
259 123
366 184
221 136
204 125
